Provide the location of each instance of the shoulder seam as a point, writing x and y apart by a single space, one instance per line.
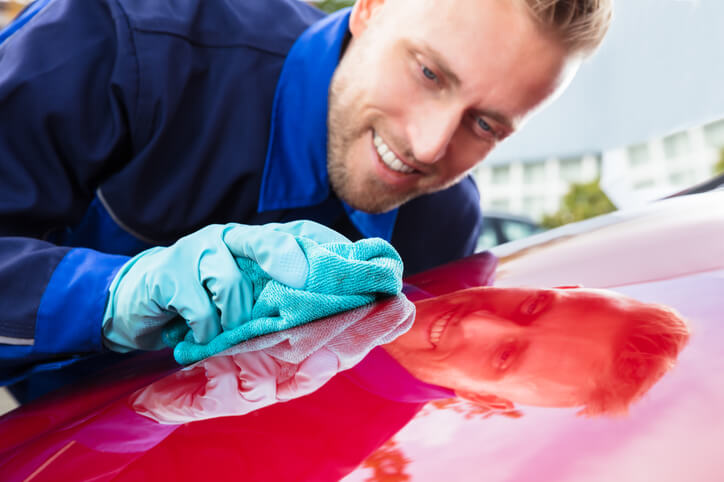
120 222
132 42
210 45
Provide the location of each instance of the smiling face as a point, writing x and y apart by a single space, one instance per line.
530 346
426 89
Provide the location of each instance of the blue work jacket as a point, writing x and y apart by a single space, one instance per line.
126 124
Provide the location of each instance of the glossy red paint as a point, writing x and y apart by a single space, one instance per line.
670 253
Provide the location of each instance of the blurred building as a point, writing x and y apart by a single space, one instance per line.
630 175
649 170
533 187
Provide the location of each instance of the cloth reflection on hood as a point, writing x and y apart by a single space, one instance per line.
273 368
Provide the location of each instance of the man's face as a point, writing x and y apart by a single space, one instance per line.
530 346
426 89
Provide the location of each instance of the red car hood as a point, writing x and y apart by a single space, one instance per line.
671 252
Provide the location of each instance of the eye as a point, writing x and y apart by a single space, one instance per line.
505 355
534 305
482 128
429 74
484 125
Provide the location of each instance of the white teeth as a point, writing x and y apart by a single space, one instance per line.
388 157
436 330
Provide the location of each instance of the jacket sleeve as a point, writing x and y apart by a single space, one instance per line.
68 91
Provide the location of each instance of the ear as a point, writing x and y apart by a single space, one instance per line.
362 12
492 402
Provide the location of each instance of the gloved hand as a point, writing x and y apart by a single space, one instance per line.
198 279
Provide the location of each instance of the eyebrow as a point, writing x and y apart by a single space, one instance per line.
443 66
440 63
522 355
498 117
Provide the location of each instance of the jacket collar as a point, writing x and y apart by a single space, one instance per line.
295 170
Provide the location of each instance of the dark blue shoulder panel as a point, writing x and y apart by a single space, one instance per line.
201 135
270 25
438 228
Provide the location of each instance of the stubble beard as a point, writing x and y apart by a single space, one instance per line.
344 128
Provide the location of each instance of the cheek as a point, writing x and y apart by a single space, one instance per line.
395 97
465 151
392 87
472 363
570 362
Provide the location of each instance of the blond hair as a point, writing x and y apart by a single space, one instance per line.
579 24
647 347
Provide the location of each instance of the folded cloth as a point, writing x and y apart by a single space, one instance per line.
342 276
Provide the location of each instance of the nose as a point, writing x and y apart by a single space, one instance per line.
431 130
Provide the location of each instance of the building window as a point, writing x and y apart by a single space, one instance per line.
677 145
534 173
644 184
681 178
500 204
714 134
500 174
599 163
533 205
638 155
571 169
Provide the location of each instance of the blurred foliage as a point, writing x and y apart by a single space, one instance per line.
719 166
330 6
388 464
582 201
472 410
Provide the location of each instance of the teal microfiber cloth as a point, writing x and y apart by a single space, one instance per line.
342 276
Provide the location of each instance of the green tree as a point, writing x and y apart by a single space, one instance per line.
330 6
389 463
719 167
582 201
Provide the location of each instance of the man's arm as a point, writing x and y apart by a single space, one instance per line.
67 94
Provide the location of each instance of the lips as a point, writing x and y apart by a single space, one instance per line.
388 157
437 328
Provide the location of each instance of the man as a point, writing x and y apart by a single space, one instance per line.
127 125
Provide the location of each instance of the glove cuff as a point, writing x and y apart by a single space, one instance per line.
115 339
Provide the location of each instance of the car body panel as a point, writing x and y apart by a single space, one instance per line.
671 252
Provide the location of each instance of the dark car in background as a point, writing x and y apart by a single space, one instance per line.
500 227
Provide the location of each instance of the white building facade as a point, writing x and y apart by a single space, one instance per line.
630 175
532 188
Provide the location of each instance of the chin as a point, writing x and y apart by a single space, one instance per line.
373 208
369 203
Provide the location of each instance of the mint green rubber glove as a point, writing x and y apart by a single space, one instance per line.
198 279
